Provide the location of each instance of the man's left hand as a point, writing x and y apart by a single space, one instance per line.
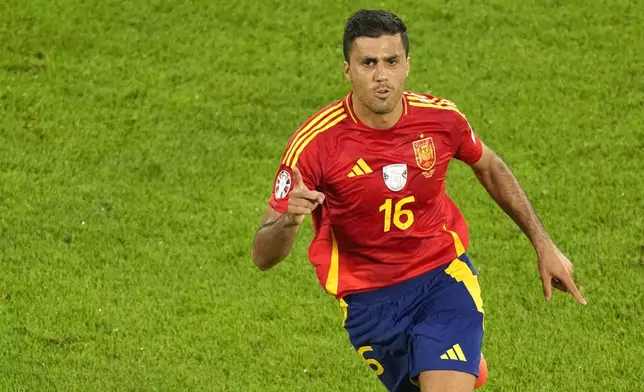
556 270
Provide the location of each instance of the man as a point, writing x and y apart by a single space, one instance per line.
389 243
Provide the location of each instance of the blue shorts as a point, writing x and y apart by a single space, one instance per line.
431 322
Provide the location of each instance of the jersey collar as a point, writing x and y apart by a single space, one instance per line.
348 105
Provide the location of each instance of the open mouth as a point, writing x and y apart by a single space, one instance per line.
382 93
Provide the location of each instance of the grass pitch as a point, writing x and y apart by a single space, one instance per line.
138 144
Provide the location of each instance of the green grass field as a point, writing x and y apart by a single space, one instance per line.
138 145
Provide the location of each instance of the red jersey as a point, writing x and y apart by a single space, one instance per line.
386 217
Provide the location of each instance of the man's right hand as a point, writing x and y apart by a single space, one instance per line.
302 201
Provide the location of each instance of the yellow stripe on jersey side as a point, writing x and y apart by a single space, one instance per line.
461 272
458 244
302 133
363 165
313 135
332 278
345 310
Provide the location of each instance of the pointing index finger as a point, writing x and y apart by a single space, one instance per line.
572 288
297 178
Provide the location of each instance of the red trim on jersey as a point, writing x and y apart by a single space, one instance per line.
349 106
405 105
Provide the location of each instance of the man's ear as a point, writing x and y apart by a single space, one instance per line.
347 68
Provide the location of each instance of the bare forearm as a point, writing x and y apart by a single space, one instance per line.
273 241
506 191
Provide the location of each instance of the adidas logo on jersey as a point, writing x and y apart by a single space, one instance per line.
455 353
359 169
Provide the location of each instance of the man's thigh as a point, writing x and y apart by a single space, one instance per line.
447 334
436 326
382 342
446 381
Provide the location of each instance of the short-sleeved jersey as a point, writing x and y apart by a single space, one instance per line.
386 216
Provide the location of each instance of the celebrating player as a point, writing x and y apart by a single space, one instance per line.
389 243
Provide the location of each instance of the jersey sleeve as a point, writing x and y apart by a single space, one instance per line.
307 159
468 146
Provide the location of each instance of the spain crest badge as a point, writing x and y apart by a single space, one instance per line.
425 152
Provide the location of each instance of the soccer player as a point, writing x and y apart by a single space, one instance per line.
389 243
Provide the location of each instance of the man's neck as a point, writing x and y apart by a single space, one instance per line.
375 120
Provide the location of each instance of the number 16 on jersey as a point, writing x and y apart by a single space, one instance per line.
399 212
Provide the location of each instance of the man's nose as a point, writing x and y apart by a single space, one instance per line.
380 75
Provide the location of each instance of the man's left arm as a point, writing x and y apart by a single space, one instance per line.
497 178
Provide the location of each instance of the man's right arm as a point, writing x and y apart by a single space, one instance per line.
274 239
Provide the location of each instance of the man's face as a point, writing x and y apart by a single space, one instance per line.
377 70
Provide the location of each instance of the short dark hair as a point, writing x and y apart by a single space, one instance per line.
373 24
